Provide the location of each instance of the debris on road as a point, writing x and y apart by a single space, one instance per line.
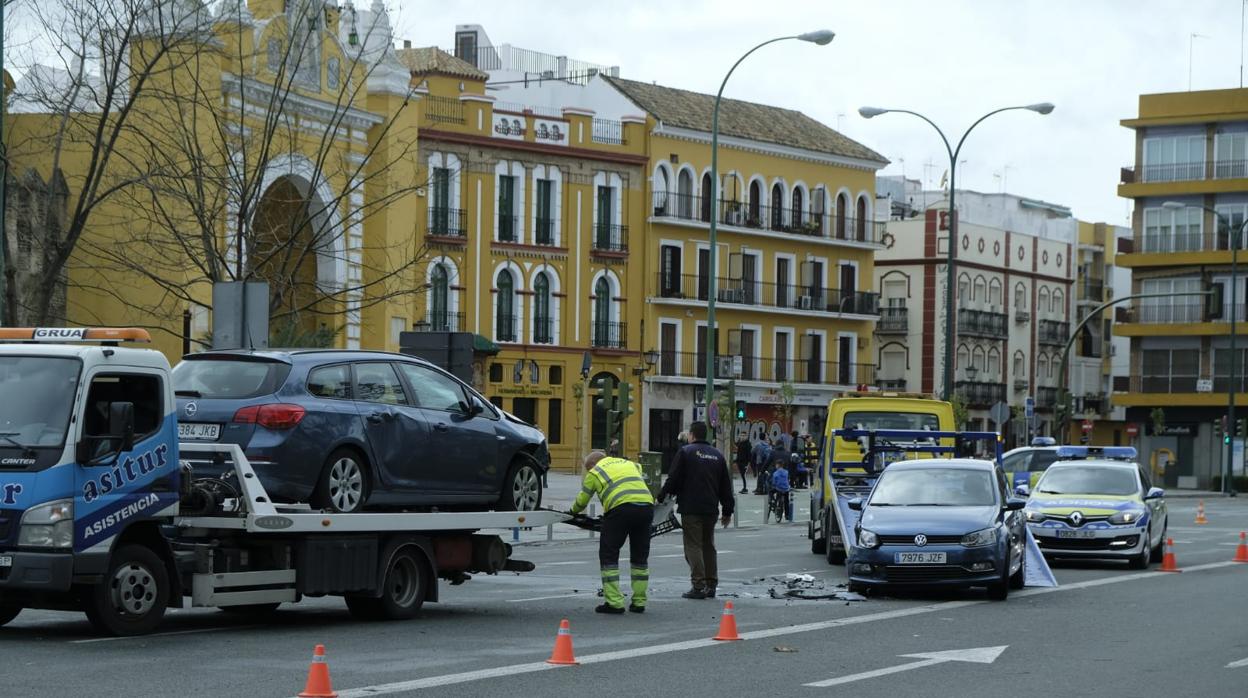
807 588
783 648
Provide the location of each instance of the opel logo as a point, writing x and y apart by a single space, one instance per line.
1076 518
920 540
190 409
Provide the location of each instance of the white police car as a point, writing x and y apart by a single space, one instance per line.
1025 465
1097 502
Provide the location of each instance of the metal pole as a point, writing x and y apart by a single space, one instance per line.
4 176
1230 388
951 327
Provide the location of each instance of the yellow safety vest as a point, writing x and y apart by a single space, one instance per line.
616 481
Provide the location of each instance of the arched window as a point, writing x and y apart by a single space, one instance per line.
1042 366
860 221
542 329
842 203
964 358
1020 367
684 195
777 207
994 294
1059 302
754 214
980 291
798 205
964 287
707 195
662 189
1042 300
977 361
607 332
1020 297
440 294
505 310
993 368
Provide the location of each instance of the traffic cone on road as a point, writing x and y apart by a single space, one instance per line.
318 684
1168 563
1241 553
562 653
727 624
1200 513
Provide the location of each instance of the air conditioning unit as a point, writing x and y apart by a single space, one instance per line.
723 366
732 295
804 302
1020 384
736 217
1021 316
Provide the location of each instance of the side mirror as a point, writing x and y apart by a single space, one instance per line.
855 504
1155 493
1014 504
1022 491
121 424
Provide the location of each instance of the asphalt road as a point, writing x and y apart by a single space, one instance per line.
1106 630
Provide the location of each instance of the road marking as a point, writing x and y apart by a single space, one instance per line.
977 655
721 552
1236 665
560 564
174 632
633 653
543 598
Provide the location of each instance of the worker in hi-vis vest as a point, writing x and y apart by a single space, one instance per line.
628 511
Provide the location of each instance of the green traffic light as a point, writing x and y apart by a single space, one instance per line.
1226 439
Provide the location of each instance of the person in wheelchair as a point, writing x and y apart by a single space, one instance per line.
778 494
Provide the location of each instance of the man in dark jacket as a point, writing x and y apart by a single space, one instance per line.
743 462
700 480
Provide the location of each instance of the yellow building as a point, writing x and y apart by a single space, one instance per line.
1191 152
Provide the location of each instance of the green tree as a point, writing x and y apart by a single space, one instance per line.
784 410
1158 417
960 412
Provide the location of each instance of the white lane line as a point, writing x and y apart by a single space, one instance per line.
632 653
543 598
560 564
174 632
721 552
1236 665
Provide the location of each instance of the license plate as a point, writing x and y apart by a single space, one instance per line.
1076 534
191 431
919 558
6 560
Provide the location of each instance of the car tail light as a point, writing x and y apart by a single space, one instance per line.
276 416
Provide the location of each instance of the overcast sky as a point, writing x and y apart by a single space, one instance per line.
952 60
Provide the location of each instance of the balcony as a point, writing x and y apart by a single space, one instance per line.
895 384
691 207
1053 332
980 394
609 335
442 110
688 364
544 232
1166 384
983 323
543 330
505 328
441 321
1046 398
607 131
447 222
1091 292
893 320
769 295
610 238
508 228
1163 313
1185 172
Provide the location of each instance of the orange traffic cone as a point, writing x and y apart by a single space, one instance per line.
1241 553
562 653
318 685
1200 513
727 624
1168 563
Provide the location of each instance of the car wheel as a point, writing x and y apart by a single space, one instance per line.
343 487
522 490
833 556
1000 591
8 613
1019 578
1160 551
133 596
1140 562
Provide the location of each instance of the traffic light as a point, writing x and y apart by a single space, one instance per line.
1241 426
740 410
1213 301
604 389
624 405
1219 430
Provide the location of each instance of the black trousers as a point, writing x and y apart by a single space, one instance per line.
631 521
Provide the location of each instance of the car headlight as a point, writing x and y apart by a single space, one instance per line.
48 525
980 538
1124 518
867 539
1035 515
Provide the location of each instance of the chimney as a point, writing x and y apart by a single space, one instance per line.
407 43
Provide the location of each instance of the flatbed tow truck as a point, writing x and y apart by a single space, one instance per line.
99 514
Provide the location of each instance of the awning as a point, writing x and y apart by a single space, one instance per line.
481 345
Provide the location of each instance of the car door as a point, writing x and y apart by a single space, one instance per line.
1156 509
466 442
397 433
1014 521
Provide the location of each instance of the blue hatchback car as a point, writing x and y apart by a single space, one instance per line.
939 522
345 429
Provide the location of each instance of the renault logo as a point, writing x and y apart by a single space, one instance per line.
1076 518
190 409
920 540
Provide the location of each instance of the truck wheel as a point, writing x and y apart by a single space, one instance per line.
402 592
132 598
819 546
834 556
8 613
343 486
522 490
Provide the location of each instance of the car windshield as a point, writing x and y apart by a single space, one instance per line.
934 487
46 386
1088 480
228 378
891 420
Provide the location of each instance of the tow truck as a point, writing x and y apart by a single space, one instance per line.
99 513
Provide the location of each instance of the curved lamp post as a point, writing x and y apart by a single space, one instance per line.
950 326
821 37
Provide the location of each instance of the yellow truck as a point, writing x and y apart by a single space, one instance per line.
841 474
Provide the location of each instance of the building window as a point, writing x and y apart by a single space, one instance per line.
1020 297
777 207
1020 371
505 309
542 329
439 294
684 195
525 408
860 220
545 231
994 294
670 282
554 421
608 235
1179 308
1174 158
782 371
1167 230
798 205
705 207
556 375
507 228
606 332
496 373
668 346
1231 155
842 213
754 213
1170 370
496 401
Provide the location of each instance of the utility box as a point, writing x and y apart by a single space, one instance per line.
652 469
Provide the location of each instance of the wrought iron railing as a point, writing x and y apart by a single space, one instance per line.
609 335
795 221
609 237
447 222
768 294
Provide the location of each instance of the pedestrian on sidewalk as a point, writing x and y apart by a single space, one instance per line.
761 456
702 484
628 511
743 462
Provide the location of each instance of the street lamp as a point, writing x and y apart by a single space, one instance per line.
821 37
1233 242
950 327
